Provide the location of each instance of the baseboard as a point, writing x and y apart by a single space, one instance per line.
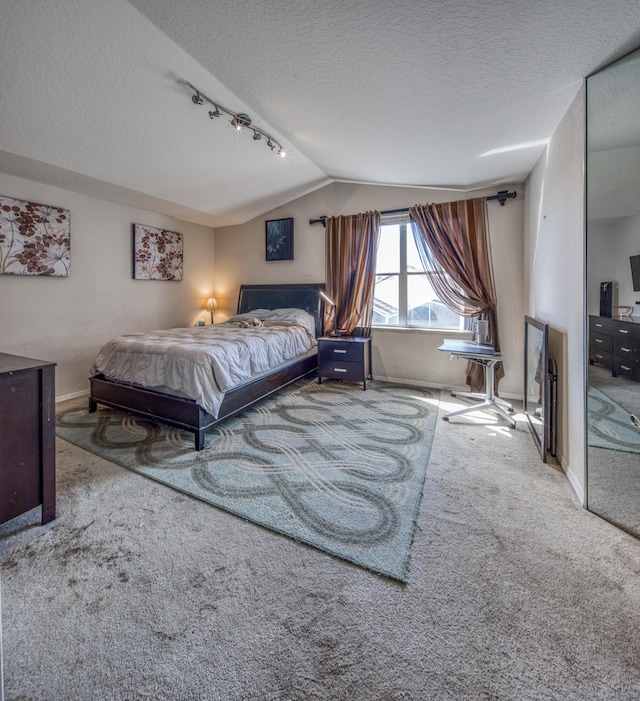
437 385
421 383
575 483
73 395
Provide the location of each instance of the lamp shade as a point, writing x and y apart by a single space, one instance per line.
211 303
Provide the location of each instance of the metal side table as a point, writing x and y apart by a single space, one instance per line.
482 354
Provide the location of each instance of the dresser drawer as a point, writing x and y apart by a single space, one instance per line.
601 341
626 348
600 357
630 369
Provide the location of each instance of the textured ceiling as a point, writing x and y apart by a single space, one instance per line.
410 92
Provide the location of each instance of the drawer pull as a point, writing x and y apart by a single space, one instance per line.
338 350
623 330
625 350
599 326
339 370
599 356
624 367
599 340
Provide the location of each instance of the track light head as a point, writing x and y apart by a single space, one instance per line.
282 153
215 112
197 98
241 120
257 135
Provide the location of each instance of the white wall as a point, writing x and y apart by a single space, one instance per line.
400 354
554 275
610 244
66 320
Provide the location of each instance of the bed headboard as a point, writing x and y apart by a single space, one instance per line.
303 296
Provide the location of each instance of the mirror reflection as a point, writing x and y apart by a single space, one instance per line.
613 293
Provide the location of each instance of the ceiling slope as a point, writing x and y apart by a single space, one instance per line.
405 93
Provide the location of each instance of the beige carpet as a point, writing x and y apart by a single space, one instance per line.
138 592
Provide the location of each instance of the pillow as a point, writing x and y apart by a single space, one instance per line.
256 313
291 314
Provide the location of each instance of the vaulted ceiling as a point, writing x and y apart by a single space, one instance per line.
445 93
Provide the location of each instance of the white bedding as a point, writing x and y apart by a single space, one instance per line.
204 362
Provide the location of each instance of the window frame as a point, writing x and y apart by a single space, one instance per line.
402 221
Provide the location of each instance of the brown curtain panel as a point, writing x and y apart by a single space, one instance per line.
352 244
453 242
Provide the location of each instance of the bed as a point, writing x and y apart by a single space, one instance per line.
186 413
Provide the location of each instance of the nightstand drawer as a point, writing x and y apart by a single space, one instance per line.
343 371
339 351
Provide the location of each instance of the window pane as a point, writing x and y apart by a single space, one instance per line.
414 264
386 300
424 308
388 260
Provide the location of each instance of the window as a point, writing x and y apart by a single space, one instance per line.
403 293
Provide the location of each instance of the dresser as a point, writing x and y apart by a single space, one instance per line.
345 358
27 437
615 344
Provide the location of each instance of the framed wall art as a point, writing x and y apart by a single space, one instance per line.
279 239
35 239
157 254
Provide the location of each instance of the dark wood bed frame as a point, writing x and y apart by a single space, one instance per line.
185 413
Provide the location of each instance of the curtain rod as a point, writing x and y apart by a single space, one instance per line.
502 196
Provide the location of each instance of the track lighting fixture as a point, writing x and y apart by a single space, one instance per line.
239 120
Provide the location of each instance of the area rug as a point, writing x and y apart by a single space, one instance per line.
331 465
610 425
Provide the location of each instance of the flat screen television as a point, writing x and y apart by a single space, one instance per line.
635 272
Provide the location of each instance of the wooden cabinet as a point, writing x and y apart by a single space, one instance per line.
615 343
27 437
345 358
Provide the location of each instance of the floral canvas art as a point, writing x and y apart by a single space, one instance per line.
279 239
35 239
157 254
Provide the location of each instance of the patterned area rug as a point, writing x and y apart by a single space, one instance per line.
610 425
331 465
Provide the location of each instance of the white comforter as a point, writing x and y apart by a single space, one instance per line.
204 362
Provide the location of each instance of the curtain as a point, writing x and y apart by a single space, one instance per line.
453 242
352 243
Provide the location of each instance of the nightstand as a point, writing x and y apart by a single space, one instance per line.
345 358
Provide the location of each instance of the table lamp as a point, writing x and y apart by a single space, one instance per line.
212 305
335 313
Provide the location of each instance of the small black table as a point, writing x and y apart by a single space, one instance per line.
482 354
345 358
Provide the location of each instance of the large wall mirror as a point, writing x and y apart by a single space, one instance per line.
613 300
